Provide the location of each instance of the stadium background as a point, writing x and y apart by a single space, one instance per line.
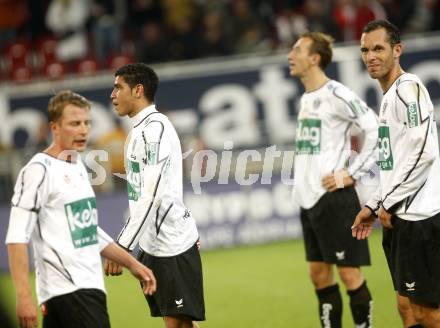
246 97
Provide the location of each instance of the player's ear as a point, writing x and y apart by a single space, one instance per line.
397 50
54 127
139 90
317 59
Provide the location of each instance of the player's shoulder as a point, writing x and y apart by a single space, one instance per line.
340 91
158 121
38 165
408 77
408 84
41 159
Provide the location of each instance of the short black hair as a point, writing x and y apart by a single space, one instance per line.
391 29
140 73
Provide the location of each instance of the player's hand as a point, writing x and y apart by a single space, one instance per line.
363 224
26 311
145 276
199 244
385 218
337 180
112 268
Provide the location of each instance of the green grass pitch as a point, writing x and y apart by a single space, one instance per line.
255 286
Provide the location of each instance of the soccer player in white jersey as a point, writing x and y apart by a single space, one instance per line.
159 222
325 178
408 200
54 206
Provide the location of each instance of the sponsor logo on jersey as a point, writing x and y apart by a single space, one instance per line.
82 218
133 180
413 117
386 161
308 136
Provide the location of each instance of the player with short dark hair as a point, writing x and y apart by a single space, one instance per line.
324 179
407 201
54 206
159 221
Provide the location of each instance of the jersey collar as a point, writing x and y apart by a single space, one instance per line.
139 117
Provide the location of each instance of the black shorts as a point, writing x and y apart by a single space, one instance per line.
327 230
179 284
412 250
84 308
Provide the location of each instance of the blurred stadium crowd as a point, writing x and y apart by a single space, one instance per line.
51 38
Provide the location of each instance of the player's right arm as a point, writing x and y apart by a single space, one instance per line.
26 309
28 196
143 212
156 153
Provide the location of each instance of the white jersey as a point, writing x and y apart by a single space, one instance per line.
408 152
54 206
323 143
158 218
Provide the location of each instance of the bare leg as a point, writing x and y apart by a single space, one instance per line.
405 311
179 322
425 314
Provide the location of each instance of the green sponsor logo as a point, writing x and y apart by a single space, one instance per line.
308 137
133 181
385 154
413 117
82 217
152 153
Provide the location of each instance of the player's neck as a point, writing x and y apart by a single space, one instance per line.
314 80
58 152
387 81
138 106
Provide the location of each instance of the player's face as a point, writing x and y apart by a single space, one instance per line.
71 132
378 54
300 60
123 97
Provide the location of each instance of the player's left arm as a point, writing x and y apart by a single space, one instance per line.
117 254
351 108
414 111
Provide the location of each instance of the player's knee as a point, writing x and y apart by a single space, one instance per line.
425 313
351 277
404 307
178 322
321 276
418 313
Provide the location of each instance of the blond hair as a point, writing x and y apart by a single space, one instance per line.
58 102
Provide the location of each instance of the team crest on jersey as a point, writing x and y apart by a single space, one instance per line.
82 218
133 180
316 103
413 117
